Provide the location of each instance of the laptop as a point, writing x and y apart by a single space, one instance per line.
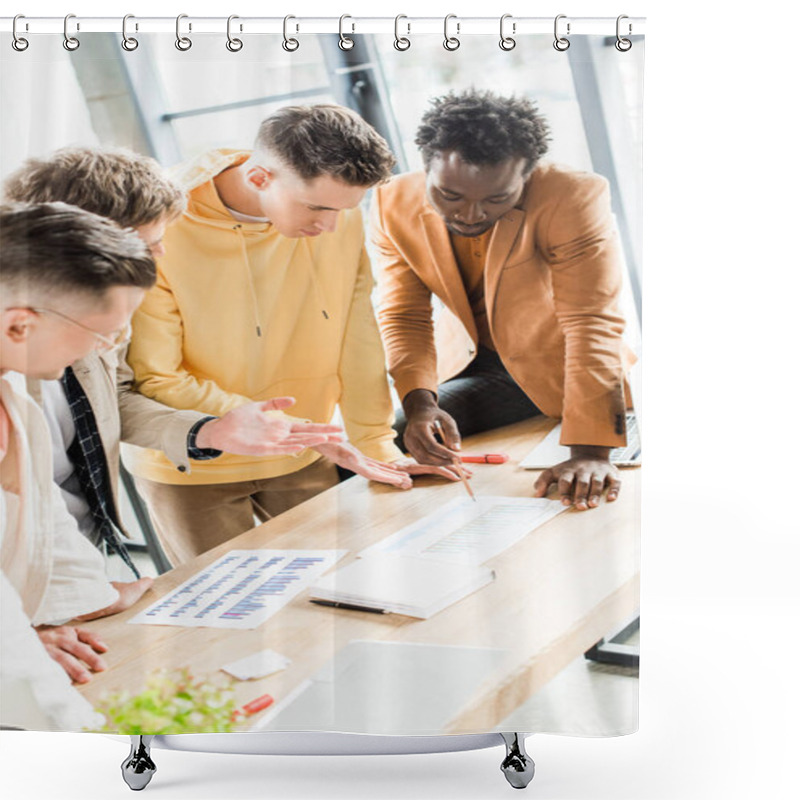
549 452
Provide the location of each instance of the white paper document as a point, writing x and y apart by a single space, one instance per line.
467 532
401 584
240 590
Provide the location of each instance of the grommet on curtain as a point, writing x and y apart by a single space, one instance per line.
70 42
233 44
451 42
345 42
128 42
289 44
561 43
183 43
19 43
507 42
623 45
401 43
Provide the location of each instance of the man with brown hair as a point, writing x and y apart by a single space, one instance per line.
93 405
69 281
265 289
124 186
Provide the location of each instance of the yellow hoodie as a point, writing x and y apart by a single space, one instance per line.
241 313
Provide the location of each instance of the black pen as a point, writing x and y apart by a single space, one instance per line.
350 606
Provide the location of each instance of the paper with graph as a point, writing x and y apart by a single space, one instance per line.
240 590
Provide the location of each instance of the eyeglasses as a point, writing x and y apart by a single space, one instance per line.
105 342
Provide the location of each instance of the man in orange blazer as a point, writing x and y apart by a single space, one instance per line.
525 260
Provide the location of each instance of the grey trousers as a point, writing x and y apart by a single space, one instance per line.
192 519
481 397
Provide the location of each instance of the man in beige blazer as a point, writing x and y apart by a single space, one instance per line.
93 405
69 282
524 258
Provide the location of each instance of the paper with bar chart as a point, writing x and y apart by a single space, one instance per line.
240 590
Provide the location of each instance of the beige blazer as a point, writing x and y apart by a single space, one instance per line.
552 281
122 414
49 573
54 569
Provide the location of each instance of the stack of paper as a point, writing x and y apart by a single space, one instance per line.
410 585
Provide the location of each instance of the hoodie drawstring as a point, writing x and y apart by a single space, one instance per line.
243 245
315 281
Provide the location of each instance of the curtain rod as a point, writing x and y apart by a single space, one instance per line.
462 26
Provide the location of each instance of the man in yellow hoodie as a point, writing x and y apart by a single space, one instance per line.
264 291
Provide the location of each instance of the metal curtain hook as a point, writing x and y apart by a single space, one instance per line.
401 42
561 43
290 45
345 42
451 42
507 42
18 42
623 45
183 43
70 42
234 45
128 42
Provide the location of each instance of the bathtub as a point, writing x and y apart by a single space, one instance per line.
138 768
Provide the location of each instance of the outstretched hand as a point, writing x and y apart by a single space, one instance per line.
412 467
348 457
251 430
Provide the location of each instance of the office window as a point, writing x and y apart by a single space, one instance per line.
428 70
214 98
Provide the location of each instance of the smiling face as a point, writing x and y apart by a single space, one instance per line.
298 207
470 198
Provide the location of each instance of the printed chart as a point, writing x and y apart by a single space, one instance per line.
240 590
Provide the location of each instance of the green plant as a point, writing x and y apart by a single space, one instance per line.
176 702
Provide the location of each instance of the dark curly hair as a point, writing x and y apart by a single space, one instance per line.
483 128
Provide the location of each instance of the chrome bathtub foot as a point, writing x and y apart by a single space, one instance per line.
517 766
138 768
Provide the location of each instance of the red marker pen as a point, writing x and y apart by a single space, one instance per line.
254 706
485 458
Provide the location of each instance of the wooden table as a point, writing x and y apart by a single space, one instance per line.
558 591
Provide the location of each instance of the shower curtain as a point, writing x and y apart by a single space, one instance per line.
473 601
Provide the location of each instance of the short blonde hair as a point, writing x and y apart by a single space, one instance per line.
126 187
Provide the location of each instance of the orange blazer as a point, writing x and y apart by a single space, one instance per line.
552 281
